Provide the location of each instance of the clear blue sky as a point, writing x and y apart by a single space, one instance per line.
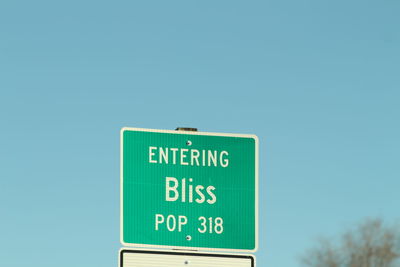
317 81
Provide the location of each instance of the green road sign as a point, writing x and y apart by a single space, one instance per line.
189 190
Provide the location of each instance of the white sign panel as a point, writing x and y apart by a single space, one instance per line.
151 258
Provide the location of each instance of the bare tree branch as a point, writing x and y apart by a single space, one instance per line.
371 244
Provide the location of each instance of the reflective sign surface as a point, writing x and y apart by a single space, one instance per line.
134 258
189 189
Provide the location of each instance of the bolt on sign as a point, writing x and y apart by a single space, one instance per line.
189 190
148 258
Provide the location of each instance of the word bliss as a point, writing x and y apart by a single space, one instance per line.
187 192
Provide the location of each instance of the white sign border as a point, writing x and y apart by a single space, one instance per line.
255 137
187 253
